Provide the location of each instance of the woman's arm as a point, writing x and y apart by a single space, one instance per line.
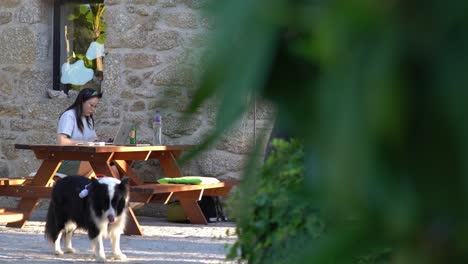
63 139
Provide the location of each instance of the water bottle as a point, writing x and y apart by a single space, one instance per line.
157 129
133 134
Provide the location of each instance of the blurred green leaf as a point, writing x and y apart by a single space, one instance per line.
375 91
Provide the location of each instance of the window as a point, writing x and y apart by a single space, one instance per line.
78 44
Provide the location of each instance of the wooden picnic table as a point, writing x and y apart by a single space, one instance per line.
101 157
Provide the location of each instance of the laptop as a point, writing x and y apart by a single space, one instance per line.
121 138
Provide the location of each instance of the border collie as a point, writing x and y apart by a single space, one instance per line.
98 206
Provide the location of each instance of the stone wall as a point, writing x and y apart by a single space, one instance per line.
153 52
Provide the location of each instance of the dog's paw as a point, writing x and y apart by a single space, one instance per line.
120 256
101 259
70 250
58 252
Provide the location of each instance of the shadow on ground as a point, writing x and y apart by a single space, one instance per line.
163 242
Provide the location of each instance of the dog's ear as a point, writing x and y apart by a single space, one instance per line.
94 181
124 181
124 184
93 184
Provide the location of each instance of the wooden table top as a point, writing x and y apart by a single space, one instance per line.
99 149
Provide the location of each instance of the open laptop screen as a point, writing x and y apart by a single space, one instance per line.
123 134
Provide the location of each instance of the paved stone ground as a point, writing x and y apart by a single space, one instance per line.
163 242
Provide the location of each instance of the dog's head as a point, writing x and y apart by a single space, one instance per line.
108 197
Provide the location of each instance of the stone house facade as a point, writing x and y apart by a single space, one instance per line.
153 54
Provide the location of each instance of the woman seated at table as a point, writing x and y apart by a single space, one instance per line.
76 125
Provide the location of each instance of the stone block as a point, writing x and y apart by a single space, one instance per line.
264 110
136 37
9 151
114 67
151 21
181 20
5 86
32 12
176 126
119 19
164 40
175 97
168 3
113 2
143 2
239 140
141 60
47 110
121 22
56 94
9 110
137 106
5 17
18 46
196 3
144 92
134 81
217 162
35 83
174 75
4 169
20 125
9 3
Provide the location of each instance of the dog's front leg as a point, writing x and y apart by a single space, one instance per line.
115 241
68 243
98 246
57 247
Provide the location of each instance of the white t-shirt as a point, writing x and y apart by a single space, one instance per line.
67 125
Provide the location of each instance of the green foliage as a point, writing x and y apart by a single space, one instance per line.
377 256
375 90
274 212
89 25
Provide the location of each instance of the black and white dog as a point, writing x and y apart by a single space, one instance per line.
96 205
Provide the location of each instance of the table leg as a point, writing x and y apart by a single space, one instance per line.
193 211
103 168
43 176
133 227
169 164
189 201
124 167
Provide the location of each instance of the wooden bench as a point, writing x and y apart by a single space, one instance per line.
8 215
187 194
148 193
14 181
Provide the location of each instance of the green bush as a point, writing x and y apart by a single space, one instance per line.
276 219
270 211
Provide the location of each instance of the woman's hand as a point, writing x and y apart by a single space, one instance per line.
93 139
63 139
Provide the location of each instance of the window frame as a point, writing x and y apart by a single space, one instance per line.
56 84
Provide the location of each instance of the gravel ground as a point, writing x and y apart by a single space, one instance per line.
163 242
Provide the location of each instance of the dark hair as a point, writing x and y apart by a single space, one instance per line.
83 96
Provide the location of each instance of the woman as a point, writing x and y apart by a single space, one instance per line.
76 125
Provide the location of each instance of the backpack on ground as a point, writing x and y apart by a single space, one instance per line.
210 205
212 209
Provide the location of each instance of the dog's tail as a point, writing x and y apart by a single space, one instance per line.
51 231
